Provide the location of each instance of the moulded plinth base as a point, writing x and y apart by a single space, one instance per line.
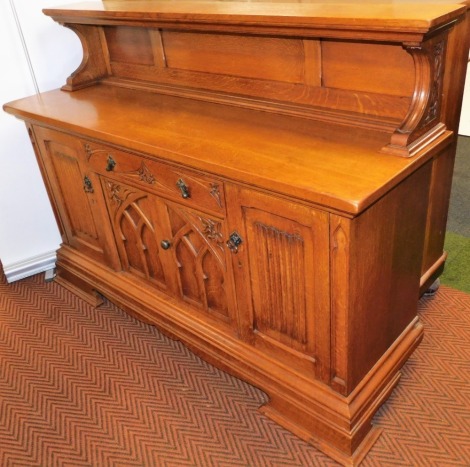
340 426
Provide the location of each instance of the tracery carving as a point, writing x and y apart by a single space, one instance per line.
215 193
134 228
114 192
144 174
211 230
198 246
89 151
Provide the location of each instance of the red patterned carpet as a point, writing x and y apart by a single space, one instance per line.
94 387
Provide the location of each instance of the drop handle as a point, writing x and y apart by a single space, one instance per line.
87 185
183 188
110 164
165 244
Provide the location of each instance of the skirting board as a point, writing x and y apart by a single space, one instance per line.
30 266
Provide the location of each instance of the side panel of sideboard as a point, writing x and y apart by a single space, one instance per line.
375 265
439 196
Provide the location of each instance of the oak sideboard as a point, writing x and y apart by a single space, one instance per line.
267 182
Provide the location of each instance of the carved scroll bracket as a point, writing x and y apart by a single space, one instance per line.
94 65
422 123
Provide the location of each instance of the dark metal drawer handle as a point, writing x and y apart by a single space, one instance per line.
183 188
87 185
111 164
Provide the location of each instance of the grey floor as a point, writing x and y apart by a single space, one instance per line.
459 210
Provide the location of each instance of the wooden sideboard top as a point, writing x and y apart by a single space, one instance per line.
337 167
323 19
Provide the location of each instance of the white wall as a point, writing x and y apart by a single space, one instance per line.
464 128
28 232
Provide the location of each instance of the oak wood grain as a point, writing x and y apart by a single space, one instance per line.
229 171
343 170
324 16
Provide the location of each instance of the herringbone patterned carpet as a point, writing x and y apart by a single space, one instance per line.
94 387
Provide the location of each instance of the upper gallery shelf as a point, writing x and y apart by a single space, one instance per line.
374 20
382 66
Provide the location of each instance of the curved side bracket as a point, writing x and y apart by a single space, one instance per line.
422 123
94 65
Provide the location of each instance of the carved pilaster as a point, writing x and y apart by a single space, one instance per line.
339 241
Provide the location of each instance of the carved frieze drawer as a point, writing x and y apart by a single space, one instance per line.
196 190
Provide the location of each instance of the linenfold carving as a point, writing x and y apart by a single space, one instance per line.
283 311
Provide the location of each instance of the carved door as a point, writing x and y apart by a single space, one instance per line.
199 257
282 278
180 250
136 223
75 195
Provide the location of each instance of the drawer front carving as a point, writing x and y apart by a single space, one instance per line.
180 184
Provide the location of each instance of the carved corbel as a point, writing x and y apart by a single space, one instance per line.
94 65
422 123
